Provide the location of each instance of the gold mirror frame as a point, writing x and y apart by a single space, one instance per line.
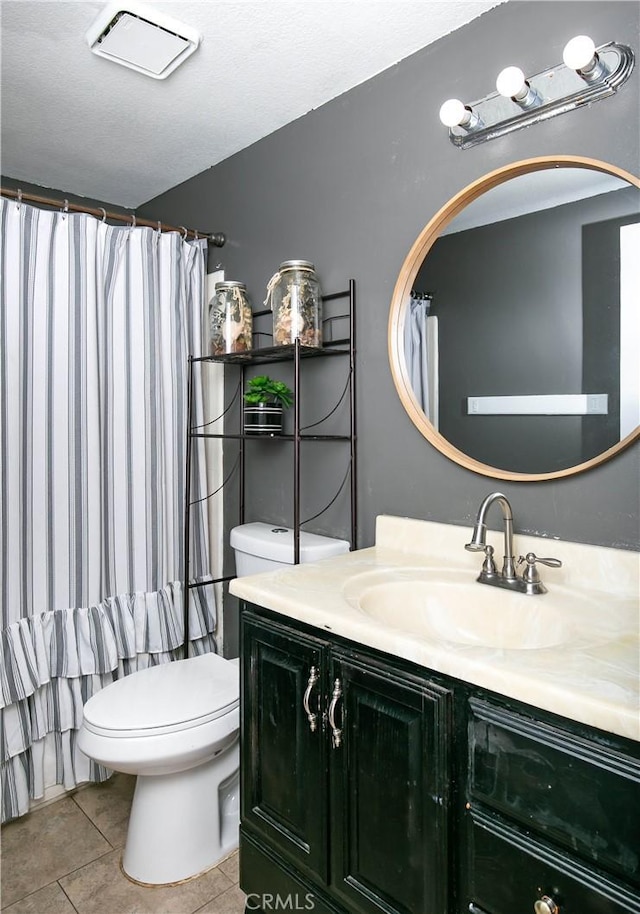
404 284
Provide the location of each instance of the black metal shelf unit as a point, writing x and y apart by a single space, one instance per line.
295 353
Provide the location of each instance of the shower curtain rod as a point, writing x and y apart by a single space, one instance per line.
218 239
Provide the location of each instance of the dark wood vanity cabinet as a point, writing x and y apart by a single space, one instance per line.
345 777
372 785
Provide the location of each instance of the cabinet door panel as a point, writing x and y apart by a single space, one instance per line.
509 870
581 794
284 792
389 793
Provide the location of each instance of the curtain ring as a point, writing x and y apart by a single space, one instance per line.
195 235
19 199
104 213
184 237
65 208
159 229
133 220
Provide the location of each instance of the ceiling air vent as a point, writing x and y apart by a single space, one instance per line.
137 36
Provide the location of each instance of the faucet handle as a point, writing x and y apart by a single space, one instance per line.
531 558
530 574
552 563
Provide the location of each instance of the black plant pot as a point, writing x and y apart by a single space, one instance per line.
262 419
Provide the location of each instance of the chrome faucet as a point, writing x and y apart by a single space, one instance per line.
529 582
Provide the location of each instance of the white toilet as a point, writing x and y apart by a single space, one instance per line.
176 727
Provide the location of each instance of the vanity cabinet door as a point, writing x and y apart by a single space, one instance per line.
389 790
284 775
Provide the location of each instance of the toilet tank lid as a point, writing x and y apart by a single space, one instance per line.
269 541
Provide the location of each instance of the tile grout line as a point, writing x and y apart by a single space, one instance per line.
97 828
42 887
230 888
67 897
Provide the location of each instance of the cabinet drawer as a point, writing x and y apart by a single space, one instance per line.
581 794
508 871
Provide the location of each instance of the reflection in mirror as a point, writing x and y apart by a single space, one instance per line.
520 327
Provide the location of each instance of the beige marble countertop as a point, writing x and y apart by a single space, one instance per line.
591 676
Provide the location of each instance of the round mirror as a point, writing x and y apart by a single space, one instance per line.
514 331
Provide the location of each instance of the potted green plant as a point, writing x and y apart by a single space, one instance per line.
265 399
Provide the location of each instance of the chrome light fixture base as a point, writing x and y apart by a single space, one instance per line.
558 88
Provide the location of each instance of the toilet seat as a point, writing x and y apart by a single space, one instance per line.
167 698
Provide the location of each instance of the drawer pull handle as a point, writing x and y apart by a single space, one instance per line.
311 717
546 905
336 732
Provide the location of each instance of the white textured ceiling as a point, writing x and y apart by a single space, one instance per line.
76 122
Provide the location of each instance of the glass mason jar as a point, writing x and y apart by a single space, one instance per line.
296 301
230 319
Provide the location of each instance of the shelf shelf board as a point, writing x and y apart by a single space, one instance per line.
276 354
271 437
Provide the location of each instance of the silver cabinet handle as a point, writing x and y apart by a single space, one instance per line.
336 732
546 905
311 717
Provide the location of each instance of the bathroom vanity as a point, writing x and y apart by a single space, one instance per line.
388 767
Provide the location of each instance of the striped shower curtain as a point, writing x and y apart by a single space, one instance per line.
96 323
421 355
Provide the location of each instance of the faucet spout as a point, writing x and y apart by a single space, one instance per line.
478 537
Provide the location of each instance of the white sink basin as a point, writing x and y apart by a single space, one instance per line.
444 605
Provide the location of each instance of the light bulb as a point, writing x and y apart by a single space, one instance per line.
511 82
579 52
580 55
453 113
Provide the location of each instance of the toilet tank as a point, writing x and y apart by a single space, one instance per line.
265 547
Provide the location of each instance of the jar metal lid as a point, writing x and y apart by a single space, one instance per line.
229 284
299 264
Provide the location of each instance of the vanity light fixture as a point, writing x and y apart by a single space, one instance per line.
586 75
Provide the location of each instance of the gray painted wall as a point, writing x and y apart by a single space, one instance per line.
350 186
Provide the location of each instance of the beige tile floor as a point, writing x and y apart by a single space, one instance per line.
64 858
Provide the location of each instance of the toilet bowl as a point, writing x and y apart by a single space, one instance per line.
176 727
